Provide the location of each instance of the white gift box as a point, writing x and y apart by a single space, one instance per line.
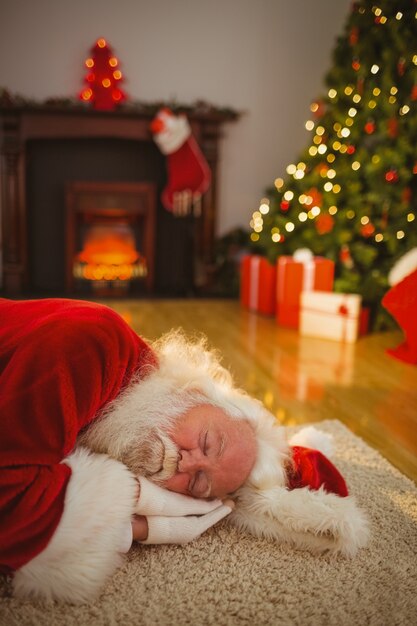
330 315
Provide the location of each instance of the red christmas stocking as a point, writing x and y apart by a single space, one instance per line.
189 175
401 302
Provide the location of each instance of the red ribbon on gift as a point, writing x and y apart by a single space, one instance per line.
257 284
343 311
254 282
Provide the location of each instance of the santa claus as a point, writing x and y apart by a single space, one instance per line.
105 438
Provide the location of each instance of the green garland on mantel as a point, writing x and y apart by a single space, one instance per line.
200 108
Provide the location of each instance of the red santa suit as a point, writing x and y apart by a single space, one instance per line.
61 362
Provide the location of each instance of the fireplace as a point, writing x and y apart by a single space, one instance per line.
46 149
110 238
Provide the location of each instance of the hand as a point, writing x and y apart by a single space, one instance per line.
154 500
139 528
183 529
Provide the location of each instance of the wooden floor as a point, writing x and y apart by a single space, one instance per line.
301 379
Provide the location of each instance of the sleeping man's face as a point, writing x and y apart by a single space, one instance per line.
215 453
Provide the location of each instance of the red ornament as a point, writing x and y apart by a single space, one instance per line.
345 256
393 127
391 176
384 216
316 196
367 230
351 149
324 223
356 64
285 205
370 127
406 195
415 168
103 90
322 167
414 92
117 95
354 36
401 66
318 108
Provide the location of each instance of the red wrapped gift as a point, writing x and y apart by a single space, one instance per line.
364 317
293 277
257 284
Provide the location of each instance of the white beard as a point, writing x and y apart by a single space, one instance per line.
135 428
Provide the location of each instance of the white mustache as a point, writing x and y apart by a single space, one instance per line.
169 462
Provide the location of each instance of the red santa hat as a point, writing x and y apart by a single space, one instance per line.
189 175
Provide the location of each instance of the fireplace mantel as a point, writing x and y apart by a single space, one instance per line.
19 125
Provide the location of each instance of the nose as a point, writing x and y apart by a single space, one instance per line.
191 461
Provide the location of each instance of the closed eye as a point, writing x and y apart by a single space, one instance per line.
200 486
205 443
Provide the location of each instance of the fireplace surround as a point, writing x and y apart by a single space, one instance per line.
46 148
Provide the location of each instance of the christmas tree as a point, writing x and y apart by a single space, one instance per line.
103 78
351 195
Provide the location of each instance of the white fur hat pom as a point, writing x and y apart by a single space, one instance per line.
311 437
403 267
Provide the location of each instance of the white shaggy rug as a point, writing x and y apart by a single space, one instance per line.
227 578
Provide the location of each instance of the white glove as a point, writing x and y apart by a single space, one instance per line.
154 500
183 529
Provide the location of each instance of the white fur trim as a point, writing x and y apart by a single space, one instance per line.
403 267
311 437
312 520
85 548
127 539
176 132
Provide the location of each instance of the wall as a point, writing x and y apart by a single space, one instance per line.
266 58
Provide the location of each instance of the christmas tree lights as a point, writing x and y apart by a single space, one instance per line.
351 195
103 78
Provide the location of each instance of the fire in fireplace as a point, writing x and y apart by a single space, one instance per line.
110 237
109 258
